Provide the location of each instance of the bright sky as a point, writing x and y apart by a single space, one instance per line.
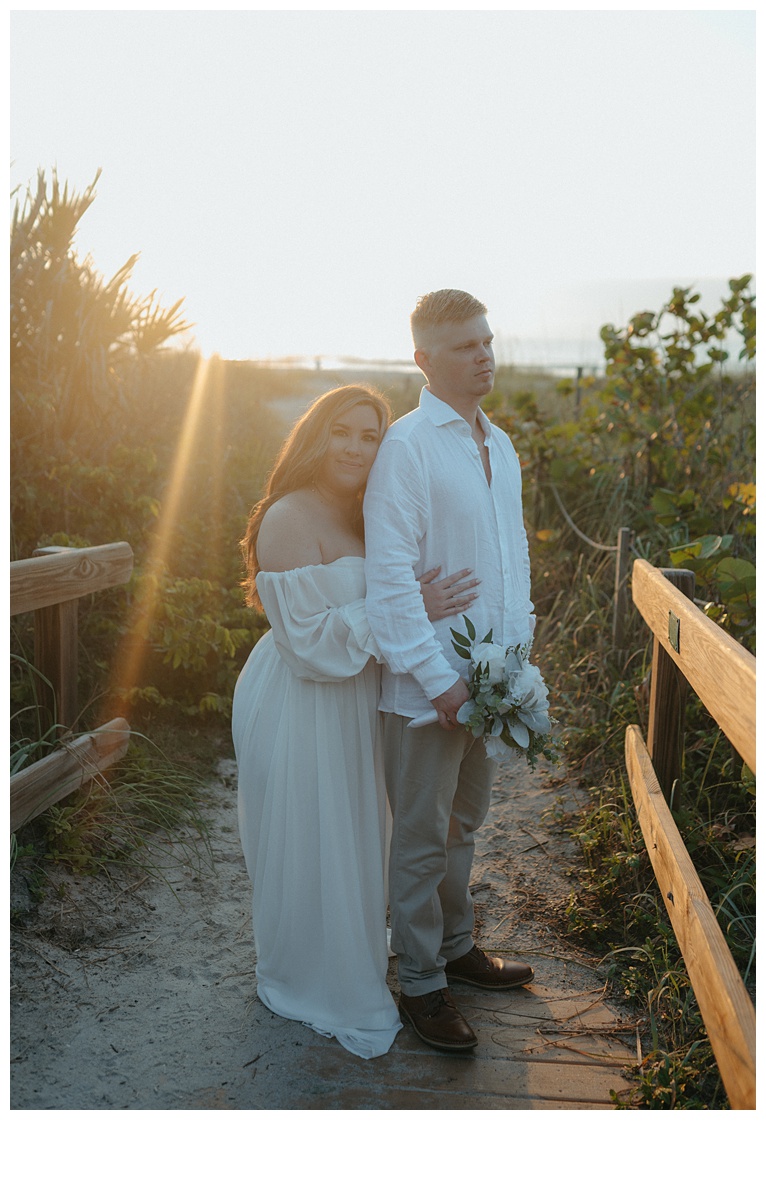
300 177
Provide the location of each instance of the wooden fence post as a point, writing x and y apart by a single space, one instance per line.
667 698
56 657
50 585
621 573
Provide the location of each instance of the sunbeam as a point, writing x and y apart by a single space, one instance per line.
130 658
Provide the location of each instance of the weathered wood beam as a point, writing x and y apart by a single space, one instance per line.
667 700
67 575
56 656
44 783
724 1003
721 671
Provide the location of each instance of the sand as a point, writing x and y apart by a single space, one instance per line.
138 992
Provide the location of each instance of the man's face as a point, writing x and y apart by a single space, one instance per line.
458 361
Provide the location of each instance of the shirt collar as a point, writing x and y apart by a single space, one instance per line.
444 414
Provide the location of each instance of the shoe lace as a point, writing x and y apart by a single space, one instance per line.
437 1001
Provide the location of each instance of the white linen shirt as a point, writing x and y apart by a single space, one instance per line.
428 504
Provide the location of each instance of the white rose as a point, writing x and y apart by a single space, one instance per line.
489 654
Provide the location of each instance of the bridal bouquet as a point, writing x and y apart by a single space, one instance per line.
508 704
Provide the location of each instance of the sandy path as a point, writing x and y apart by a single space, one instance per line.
143 997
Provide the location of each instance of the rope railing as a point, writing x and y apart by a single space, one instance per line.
573 527
623 550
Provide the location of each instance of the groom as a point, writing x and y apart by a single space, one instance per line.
445 489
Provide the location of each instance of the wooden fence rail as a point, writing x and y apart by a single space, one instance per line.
50 585
688 646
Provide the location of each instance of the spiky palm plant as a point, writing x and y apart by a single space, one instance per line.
73 333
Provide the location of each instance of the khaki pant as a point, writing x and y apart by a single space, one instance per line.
439 786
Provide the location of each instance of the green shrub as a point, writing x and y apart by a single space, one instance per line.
662 444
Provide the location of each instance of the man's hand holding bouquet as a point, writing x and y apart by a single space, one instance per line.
508 701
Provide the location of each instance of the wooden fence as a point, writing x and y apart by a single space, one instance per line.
50 585
688 646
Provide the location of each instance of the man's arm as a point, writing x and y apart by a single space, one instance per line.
395 517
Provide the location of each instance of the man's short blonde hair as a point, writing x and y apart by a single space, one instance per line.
441 308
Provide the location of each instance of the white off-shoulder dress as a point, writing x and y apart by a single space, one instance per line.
312 806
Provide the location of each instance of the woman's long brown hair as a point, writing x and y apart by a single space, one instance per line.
299 460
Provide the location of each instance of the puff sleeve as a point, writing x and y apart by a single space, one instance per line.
317 636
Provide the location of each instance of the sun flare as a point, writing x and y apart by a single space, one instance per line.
129 661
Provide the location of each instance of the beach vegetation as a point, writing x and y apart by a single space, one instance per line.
662 443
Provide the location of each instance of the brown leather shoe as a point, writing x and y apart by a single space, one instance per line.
437 1021
485 971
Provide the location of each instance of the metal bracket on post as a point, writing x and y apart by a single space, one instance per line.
674 631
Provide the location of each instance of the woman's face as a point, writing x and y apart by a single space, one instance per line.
354 442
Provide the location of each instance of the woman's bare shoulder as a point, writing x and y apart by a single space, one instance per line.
288 536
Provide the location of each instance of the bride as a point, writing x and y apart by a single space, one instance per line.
312 803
